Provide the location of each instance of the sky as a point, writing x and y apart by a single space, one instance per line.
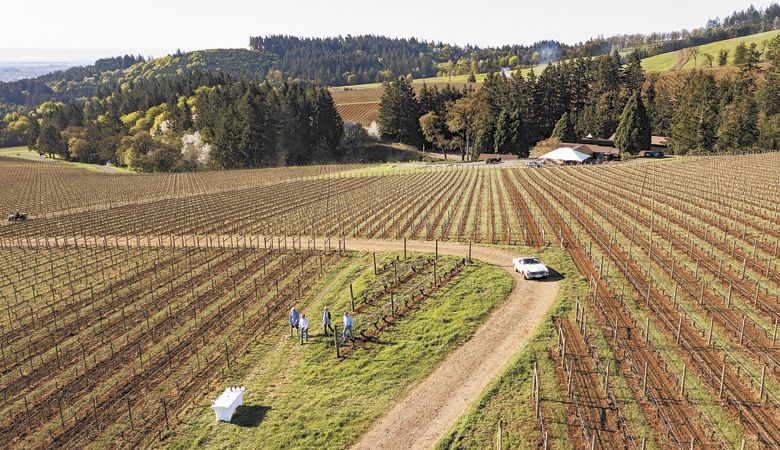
60 30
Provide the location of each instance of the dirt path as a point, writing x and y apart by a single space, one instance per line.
430 408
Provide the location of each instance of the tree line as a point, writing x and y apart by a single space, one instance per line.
351 60
593 98
187 121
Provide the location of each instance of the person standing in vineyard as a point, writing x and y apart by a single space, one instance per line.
304 326
347 328
326 322
294 319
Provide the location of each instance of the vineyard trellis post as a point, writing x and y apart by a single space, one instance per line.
500 435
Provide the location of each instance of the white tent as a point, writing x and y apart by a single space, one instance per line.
565 154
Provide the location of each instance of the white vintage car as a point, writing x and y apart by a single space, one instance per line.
530 267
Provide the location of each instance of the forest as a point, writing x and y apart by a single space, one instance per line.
151 126
350 60
597 98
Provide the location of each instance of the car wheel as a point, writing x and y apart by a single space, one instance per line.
525 276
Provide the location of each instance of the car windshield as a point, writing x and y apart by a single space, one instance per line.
531 261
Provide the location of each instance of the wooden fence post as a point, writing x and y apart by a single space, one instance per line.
500 436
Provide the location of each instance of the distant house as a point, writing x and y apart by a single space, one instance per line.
506 72
659 142
656 142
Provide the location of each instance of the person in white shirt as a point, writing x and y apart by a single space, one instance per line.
304 324
347 328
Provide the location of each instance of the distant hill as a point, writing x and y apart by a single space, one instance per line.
12 70
105 74
367 60
239 63
683 59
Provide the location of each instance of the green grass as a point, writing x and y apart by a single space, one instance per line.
27 154
508 397
302 397
667 61
456 79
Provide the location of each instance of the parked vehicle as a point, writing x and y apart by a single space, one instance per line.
17 217
530 267
651 154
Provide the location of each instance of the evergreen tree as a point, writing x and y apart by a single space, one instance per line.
696 116
502 138
564 129
33 132
518 134
399 114
633 73
723 57
633 133
740 54
738 128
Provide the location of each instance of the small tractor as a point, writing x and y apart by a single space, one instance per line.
17 217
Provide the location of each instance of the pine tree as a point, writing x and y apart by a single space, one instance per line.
737 130
564 129
633 133
518 134
633 73
695 119
502 138
740 54
399 114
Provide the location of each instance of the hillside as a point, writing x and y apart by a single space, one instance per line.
360 103
86 81
682 59
239 63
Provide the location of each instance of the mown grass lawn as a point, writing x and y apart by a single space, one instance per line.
300 396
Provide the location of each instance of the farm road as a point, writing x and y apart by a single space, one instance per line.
430 408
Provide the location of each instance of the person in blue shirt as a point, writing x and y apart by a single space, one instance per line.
294 319
347 328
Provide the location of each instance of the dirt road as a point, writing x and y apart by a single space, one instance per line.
432 407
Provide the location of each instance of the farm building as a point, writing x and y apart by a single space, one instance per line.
597 152
656 142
